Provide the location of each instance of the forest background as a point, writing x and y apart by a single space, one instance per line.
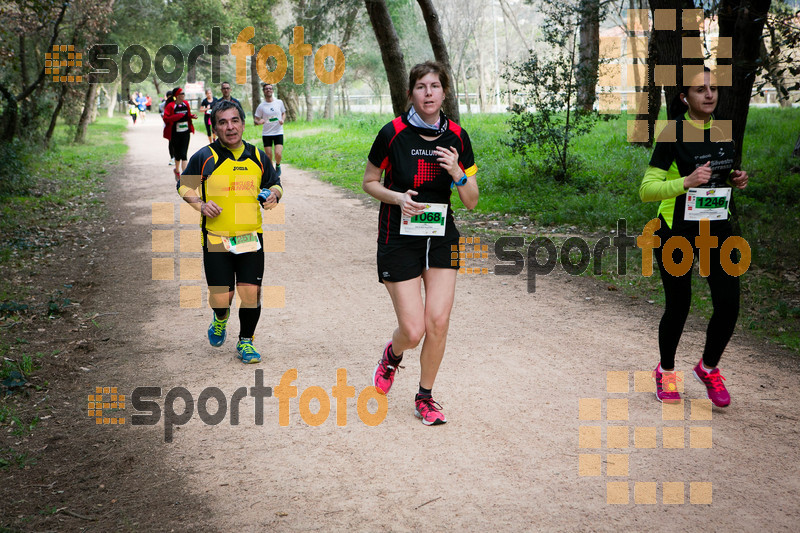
562 99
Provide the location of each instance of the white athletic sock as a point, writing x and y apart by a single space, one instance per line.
704 367
661 369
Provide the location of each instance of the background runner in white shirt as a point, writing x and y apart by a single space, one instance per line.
272 114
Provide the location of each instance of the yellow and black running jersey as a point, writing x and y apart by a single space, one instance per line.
231 182
410 162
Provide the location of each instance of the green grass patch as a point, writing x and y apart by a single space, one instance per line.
61 191
603 189
65 186
11 457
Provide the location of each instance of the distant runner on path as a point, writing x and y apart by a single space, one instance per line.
179 128
167 99
272 114
205 108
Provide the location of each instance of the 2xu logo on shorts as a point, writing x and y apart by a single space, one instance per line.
143 400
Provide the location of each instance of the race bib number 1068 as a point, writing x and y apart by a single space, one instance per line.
429 223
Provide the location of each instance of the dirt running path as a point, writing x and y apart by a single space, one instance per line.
516 367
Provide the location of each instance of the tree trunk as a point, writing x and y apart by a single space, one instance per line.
589 53
770 60
351 18
11 111
329 112
290 101
125 89
653 92
88 104
742 20
668 45
481 81
156 84
508 81
466 92
796 151
255 82
10 115
392 56
112 98
23 61
309 106
641 116
93 110
508 14
54 118
450 106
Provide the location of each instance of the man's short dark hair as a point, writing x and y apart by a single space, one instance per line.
224 105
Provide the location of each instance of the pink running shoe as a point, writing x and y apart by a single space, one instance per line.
384 372
666 386
429 411
716 390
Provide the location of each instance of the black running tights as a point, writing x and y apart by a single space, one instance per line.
678 295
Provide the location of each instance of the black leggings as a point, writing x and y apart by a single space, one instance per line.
180 145
678 295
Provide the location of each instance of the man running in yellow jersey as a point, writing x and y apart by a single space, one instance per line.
226 181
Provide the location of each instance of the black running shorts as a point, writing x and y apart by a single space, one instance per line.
224 269
409 258
269 140
180 145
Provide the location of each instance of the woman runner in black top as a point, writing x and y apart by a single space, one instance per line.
701 156
205 108
424 156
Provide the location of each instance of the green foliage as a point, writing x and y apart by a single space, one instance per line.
64 185
545 120
11 457
15 175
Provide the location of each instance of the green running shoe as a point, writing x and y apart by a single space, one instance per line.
217 332
247 353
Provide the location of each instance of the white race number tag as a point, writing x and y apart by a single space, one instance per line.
707 203
181 127
242 244
429 223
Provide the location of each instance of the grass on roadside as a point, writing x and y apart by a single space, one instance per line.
62 188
